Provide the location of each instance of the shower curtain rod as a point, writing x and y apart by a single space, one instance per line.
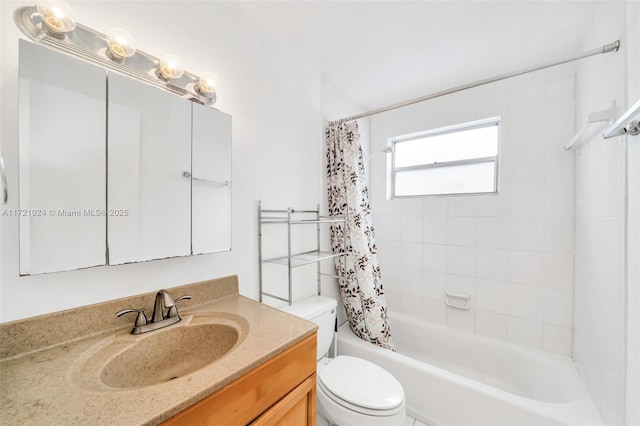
611 47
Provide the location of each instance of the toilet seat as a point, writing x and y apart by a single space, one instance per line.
361 386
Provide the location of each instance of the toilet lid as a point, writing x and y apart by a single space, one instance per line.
361 383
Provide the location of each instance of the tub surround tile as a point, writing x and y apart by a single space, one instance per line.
524 301
558 307
434 258
491 264
434 285
38 353
494 205
559 200
411 255
525 267
461 261
557 132
527 199
461 231
463 285
558 271
462 206
525 233
491 232
517 245
411 229
412 207
461 319
434 311
491 324
524 332
557 339
560 163
558 234
389 252
434 206
388 228
523 165
535 136
435 230
491 295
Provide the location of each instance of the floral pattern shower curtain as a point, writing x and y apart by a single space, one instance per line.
360 278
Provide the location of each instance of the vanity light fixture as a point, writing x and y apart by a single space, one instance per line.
57 17
208 83
170 68
53 23
120 44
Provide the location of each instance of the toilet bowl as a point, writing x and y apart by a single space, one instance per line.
355 392
350 391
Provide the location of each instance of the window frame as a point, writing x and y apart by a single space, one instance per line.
392 170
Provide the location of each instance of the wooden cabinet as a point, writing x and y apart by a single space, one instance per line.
297 408
282 391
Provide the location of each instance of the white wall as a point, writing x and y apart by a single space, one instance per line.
601 206
275 102
633 223
512 252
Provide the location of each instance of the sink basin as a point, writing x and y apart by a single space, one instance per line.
125 361
174 353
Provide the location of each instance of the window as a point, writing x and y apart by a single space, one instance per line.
459 159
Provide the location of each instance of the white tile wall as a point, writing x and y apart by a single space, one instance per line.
599 340
557 339
434 257
524 332
512 252
491 324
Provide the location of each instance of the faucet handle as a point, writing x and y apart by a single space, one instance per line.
173 311
141 319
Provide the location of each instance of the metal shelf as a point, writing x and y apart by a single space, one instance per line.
300 222
291 217
301 259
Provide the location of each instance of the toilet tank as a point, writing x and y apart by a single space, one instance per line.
322 311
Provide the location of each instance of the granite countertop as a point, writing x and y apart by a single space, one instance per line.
40 357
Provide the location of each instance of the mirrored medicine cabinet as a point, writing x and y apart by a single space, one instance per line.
113 170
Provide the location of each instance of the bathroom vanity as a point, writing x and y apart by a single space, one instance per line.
280 391
230 360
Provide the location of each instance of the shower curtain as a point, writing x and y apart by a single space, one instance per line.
358 271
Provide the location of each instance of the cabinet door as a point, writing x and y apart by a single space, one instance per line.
62 133
286 377
298 408
211 181
149 148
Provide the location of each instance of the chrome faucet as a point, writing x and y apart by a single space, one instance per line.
159 319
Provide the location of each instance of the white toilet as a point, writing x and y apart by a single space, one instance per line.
351 391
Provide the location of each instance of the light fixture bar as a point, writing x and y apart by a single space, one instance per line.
624 125
90 45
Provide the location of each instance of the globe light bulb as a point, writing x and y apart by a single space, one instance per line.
170 67
208 83
121 43
57 17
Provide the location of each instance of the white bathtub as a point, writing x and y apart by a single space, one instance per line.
458 378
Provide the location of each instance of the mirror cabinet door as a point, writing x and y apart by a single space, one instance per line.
62 124
149 148
211 181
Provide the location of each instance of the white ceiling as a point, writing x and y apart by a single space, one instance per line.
384 52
